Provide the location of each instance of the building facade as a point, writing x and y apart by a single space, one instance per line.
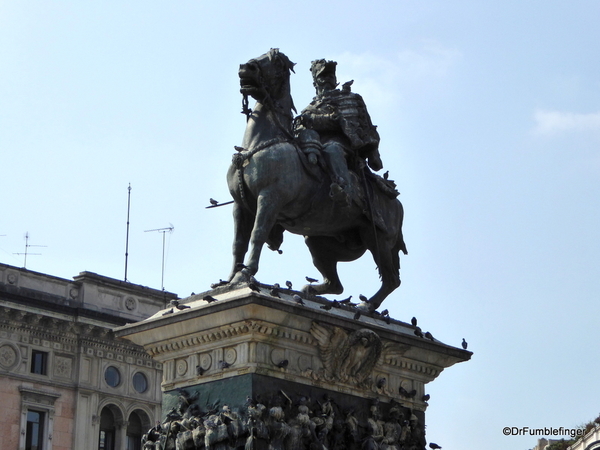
66 383
591 440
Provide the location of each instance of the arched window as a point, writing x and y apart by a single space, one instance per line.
107 430
137 425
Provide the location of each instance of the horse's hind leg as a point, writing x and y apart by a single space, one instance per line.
385 255
326 252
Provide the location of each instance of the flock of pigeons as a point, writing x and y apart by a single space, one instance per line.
276 289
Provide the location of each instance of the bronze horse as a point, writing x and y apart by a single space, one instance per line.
275 188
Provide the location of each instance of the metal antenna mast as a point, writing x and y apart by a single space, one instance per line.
127 237
163 231
27 245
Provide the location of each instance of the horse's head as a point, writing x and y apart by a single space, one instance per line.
267 78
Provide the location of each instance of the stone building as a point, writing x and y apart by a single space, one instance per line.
543 443
66 383
591 440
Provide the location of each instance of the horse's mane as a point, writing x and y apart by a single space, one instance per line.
287 66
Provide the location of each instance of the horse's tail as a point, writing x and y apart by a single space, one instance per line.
400 240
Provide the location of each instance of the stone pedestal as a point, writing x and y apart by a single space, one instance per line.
264 368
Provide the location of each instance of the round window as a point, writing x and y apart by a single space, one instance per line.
112 376
140 382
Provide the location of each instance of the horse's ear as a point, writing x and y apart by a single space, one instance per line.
288 64
274 52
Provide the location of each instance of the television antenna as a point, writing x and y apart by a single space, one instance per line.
27 245
164 231
127 236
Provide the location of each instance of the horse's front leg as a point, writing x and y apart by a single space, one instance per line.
242 220
267 210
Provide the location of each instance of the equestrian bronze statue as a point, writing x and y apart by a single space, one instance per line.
310 176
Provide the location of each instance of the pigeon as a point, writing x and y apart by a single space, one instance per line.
363 298
178 305
213 202
288 284
209 298
386 175
346 300
386 316
224 364
275 291
412 393
298 299
413 321
434 446
283 364
168 312
254 287
426 397
428 335
335 304
199 371
357 315
403 392
418 332
381 382
464 344
311 280
326 307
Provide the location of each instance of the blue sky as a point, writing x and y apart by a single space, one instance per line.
489 115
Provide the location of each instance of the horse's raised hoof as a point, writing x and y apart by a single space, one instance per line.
322 289
220 283
309 290
364 306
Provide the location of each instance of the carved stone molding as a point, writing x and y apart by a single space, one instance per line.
63 366
10 356
225 333
38 396
349 357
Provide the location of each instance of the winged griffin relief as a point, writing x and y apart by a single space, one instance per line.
351 357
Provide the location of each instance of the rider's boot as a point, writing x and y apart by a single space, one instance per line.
337 191
340 176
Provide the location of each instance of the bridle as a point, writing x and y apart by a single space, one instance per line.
269 102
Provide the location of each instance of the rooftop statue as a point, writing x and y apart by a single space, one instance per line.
309 176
